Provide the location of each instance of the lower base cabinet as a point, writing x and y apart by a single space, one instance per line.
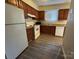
47 29
30 34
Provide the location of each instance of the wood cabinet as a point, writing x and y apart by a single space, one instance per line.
20 4
33 11
63 14
30 34
47 29
41 15
13 2
30 11
17 3
27 9
53 28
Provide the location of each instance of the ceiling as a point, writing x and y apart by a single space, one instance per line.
50 2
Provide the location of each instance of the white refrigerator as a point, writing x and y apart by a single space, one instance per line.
15 31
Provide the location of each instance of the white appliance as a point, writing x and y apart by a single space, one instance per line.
37 31
30 22
59 31
15 31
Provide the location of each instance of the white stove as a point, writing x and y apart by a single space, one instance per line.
37 31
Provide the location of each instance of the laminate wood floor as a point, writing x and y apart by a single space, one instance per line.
45 47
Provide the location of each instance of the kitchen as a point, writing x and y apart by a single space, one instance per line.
55 27
50 20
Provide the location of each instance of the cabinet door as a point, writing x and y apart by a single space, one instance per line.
13 2
20 4
63 14
53 28
41 15
66 13
45 29
48 29
36 13
60 15
30 10
25 7
30 34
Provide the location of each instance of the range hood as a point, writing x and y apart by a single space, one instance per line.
31 15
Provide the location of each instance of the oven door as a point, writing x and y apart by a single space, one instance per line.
37 31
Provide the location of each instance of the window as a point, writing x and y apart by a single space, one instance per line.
51 15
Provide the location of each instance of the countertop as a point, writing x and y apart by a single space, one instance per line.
29 27
58 23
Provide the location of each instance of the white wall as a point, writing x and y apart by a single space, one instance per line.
69 36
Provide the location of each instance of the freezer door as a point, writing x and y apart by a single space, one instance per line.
15 40
13 14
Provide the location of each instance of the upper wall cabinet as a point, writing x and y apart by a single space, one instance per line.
17 3
25 8
20 4
41 15
63 14
33 11
30 10
13 2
